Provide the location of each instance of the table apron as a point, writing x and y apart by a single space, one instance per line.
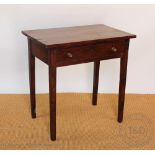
78 55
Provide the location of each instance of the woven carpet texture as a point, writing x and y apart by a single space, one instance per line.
80 125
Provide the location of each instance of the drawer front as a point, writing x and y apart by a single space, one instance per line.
85 54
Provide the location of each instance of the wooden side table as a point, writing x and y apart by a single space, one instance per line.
59 47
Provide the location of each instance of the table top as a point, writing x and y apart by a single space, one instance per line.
75 36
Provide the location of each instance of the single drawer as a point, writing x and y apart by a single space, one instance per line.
83 54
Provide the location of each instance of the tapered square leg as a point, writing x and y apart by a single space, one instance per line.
52 94
95 82
122 83
32 80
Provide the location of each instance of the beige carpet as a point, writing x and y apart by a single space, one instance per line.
79 124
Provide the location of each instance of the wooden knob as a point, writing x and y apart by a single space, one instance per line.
114 49
69 55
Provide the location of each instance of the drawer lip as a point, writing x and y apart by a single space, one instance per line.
82 54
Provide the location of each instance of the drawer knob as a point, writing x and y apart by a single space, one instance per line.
114 49
69 55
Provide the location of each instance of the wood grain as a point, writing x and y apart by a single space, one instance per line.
75 36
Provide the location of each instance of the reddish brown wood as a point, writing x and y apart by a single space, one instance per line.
32 79
122 83
76 36
39 51
81 54
95 82
67 46
52 93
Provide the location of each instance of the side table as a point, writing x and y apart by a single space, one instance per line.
59 47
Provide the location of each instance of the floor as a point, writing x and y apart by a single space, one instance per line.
79 124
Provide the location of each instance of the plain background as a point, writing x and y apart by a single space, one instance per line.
136 19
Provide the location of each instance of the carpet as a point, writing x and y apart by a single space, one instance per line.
79 124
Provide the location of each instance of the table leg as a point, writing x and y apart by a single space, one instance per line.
122 83
95 82
32 80
52 94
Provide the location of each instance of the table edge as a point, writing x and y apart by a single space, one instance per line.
79 43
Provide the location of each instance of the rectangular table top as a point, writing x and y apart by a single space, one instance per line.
74 36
